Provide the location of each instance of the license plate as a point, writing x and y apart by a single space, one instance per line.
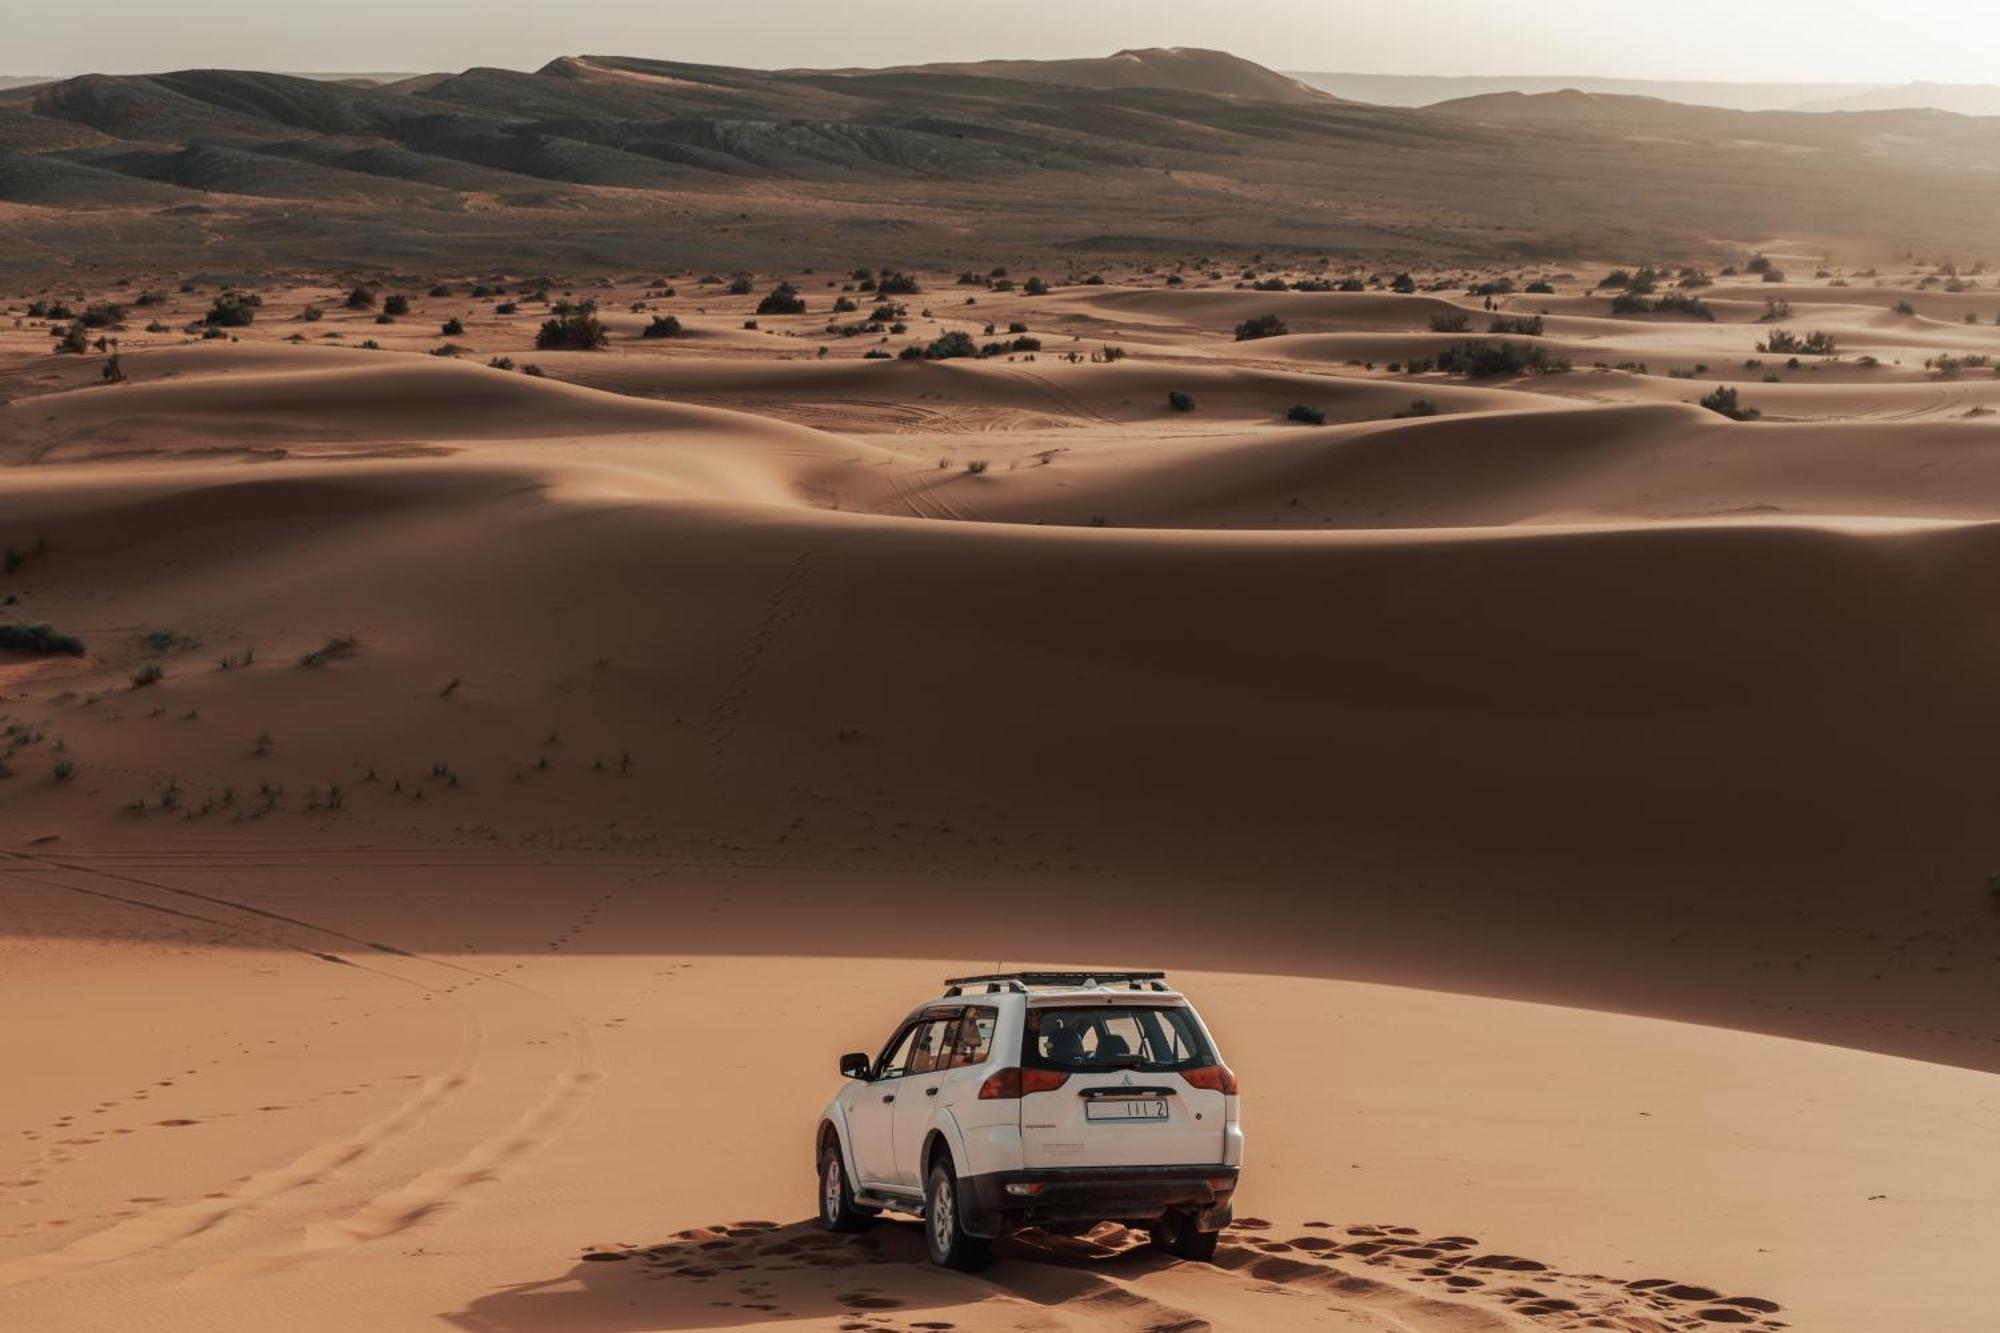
1125 1108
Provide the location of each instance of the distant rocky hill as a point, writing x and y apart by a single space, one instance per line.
615 161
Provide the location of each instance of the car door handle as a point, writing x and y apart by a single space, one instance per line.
890 1098
930 1092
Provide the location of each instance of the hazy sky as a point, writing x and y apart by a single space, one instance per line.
1824 40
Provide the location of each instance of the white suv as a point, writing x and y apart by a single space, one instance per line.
1050 1099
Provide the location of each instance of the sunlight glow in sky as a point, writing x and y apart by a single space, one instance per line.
1861 41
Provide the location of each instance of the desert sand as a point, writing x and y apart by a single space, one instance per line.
485 803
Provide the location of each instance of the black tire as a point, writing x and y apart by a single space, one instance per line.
944 1224
1176 1234
837 1209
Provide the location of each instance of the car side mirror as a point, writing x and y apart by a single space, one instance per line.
854 1065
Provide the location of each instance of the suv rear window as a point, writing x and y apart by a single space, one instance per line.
1113 1036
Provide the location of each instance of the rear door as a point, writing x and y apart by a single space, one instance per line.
1124 1099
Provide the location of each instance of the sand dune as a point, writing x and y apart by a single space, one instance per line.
1570 808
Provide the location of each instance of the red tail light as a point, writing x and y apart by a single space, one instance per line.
1012 1084
1215 1078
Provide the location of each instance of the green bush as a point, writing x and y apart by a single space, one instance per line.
1304 415
39 638
1450 321
1480 360
1527 325
577 328
1261 326
1723 400
1179 401
783 299
233 310
663 326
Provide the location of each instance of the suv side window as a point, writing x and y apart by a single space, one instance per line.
895 1061
933 1045
974 1038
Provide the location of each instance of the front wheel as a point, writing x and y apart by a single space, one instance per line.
944 1224
837 1209
1176 1234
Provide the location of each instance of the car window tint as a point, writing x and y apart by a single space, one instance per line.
1114 1037
895 1059
933 1045
975 1037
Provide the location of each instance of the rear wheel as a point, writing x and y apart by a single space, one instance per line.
944 1224
1176 1234
837 1209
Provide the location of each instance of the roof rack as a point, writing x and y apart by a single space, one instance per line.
1021 981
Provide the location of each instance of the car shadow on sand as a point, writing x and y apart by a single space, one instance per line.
759 1272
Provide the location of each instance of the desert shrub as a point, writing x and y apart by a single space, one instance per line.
1270 285
1694 277
1261 326
1785 342
502 363
1774 275
233 310
451 328
950 346
898 284
976 467
740 285
38 638
1497 287
1450 321
1479 360
507 308
361 298
1758 264
875 354
1312 285
1775 310
1528 325
1724 401
440 290
844 305
1680 304
1419 407
577 328
1625 303
148 674
1617 277
1540 289
104 315
1905 308
1353 285
312 314
1304 415
1404 283
1034 286
663 326
395 305
783 299
72 339
1179 402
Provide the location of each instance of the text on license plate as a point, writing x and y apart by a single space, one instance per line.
1126 1108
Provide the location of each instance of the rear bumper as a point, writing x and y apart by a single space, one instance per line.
1130 1194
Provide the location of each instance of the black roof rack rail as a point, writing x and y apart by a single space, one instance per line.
1020 981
